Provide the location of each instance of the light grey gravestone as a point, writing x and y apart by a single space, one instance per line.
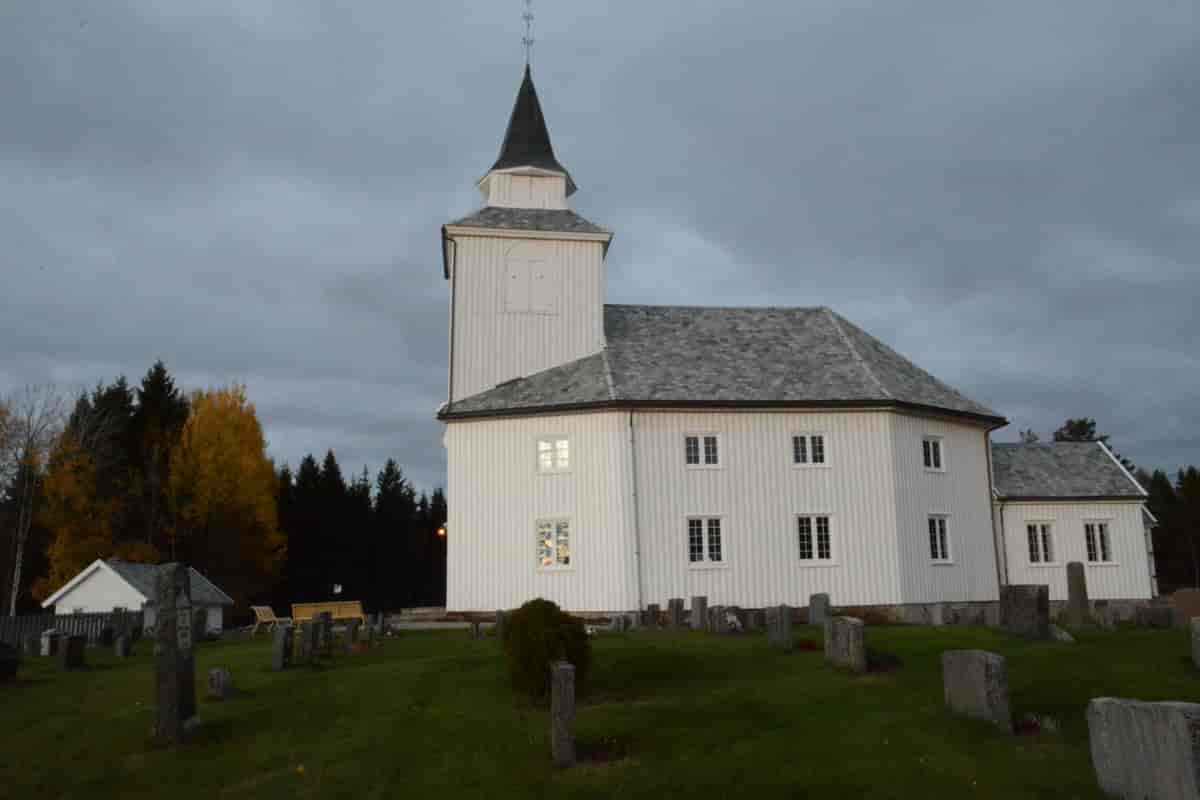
220 683
501 624
975 683
324 624
50 641
174 655
699 618
281 647
818 609
1145 750
675 614
618 624
1195 623
123 646
845 643
779 628
1154 616
1076 613
652 612
1060 635
562 713
1025 610
70 652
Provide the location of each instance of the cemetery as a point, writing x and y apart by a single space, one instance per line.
704 702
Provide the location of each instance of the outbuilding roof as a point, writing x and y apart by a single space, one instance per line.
672 356
1060 471
143 576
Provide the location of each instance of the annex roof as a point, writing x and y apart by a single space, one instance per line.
670 356
1060 471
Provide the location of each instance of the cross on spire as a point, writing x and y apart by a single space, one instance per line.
527 40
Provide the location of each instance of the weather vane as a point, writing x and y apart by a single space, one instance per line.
527 40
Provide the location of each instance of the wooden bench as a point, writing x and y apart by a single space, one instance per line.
265 615
338 609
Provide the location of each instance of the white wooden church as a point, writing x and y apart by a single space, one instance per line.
611 456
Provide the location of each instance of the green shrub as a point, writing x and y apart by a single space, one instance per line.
537 634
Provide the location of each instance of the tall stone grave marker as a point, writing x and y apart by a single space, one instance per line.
975 684
675 614
1077 611
281 647
845 643
174 656
818 609
562 713
779 628
1145 750
700 613
70 652
307 644
324 623
652 612
1025 610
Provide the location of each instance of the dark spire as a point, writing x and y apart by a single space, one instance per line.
527 141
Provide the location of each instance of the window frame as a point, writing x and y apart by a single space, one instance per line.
1042 534
1106 522
553 439
706 561
556 566
815 562
945 539
700 436
929 440
808 449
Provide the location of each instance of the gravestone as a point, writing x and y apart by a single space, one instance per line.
1145 750
1154 616
1025 610
675 614
70 652
383 623
220 683
845 643
352 635
31 645
50 642
123 646
619 623
818 609
325 634
779 628
281 647
756 619
174 655
652 612
306 644
699 613
476 630
1105 615
975 684
1186 603
369 634
107 634
562 713
501 624
1076 613
9 662
1195 623
715 619
199 624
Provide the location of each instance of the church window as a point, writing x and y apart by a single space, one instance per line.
808 449
931 451
1041 542
704 540
554 454
815 538
701 450
1099 547
939 540
553 543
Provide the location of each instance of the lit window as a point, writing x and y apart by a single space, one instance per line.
554 543
931 450
1099 548
704 540
1041 543
808 449
939 542
701 451
553 455
814 537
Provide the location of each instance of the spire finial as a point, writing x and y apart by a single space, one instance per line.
527 40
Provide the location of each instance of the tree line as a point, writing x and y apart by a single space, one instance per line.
151 474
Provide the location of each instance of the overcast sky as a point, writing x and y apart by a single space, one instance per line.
1007 193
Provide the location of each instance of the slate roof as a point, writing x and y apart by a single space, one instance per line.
697 356
529 219
1059 471
527 139
142 577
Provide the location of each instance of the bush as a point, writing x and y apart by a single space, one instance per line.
537 634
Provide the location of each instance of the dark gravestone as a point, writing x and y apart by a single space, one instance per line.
700 613
476 630
1076 613
652 612
281 647
50 642
501 624
307 643
325 634
220 683
818 609
975 684
562 713
716 619
199 624
675 614
351 640
779 628
174 655
9 661
845 643
1154 616
107 634
1025 610
369 636
123 646
1145 750
756 620
31 645
70 652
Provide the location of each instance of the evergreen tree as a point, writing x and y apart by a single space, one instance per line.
154 430
304 548
395 510
331 546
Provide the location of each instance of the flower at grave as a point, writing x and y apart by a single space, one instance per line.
299 769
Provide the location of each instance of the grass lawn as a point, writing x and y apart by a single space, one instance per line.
431 715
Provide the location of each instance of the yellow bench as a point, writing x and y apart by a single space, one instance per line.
338 609
265 615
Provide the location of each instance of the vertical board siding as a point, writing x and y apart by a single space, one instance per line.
491 345
1126 578
498 497
526 191
962 493
758 493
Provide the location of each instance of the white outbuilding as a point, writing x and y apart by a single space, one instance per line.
107 584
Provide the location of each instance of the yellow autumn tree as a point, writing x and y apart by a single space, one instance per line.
222 495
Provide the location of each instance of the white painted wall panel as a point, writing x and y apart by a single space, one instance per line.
496 496
1126 578
493 343
101 591
961 493
509 190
